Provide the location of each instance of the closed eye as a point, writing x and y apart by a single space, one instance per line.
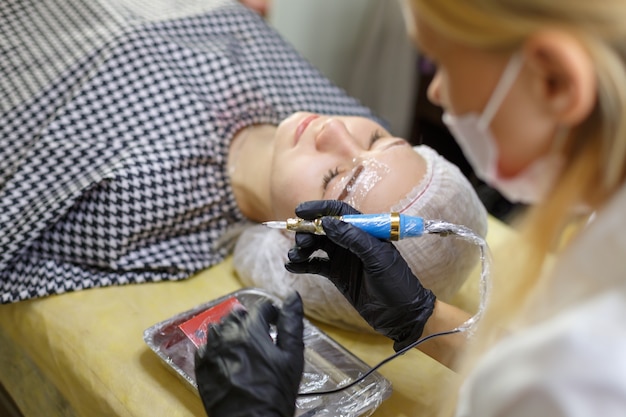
376 135
332 173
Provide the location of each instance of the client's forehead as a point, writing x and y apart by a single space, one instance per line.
406 171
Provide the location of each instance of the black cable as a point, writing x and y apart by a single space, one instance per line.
384 361
443 229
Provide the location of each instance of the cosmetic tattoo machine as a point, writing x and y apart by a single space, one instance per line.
391 226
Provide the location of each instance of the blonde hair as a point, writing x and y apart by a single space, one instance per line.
595 152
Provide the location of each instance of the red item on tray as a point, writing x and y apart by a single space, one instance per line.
196 327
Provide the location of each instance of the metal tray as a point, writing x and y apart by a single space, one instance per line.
328 365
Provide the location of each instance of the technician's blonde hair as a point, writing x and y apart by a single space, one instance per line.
596 152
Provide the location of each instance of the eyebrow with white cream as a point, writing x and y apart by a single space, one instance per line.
354 187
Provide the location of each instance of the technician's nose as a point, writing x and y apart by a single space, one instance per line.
434 90
334 137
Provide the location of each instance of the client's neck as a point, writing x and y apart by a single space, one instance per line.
249 164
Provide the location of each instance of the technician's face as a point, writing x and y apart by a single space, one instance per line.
333 157
464 82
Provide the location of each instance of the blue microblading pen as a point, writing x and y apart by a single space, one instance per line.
392 226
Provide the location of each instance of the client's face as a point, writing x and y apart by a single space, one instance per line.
333 157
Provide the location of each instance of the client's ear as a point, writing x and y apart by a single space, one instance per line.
563 76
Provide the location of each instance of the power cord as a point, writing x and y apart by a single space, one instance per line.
441 228
381 363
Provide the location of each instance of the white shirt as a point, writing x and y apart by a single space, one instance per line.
572 360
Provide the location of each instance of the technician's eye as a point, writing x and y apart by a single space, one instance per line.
332 173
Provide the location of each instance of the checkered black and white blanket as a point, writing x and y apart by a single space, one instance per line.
115 124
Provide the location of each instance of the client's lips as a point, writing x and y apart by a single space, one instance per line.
303 125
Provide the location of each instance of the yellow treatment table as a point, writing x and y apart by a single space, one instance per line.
83 353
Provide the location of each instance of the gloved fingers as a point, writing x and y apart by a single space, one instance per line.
200 355
306 240
323 267
229 327
318 266
206 355
387 256
349 237
306 244
298 255
239 324
246 373
419 319
376 255
310 210
261 316
234 317
212 378
266 312
290 325
213 340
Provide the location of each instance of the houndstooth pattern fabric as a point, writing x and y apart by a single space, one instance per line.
115 131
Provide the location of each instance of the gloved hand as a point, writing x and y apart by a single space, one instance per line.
241 372
369 272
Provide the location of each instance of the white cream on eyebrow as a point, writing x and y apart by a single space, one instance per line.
354 188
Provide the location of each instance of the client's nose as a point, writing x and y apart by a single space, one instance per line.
334 137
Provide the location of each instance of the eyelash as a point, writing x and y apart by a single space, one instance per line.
375 136
328 177
332 173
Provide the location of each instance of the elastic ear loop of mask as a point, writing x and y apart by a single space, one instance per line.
443 229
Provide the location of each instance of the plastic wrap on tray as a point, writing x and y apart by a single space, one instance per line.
327 364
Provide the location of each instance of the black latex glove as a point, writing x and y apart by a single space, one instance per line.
369 272
241 372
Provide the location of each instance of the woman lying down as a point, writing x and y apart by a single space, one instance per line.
152 135
360 155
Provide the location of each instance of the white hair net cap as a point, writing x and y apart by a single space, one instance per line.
441 264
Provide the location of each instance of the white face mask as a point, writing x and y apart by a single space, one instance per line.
474 136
